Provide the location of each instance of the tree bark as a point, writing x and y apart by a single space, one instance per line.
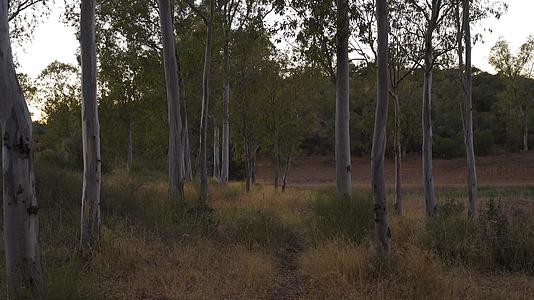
176 152
276 170
343 157
21 220
129 162
216 154
379 136
90 215
428 184
248 175
225 161
286 174
467 81
525 131
398 156
188 171
205 110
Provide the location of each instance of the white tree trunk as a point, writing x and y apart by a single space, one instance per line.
129 162
176 153
343 157
205 109
398 156
188 171
225 161
21 221
379 136
216 154
468 109
90 215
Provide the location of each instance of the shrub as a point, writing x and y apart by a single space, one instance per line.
350 219
255 228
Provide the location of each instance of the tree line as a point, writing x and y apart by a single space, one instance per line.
219 66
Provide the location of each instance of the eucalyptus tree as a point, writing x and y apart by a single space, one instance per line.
436 31
379 138
175 178
517 70
90 215
464 41
208 19
405 47
21 212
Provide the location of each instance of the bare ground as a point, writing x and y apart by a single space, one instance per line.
496 171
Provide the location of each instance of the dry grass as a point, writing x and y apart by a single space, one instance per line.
153 249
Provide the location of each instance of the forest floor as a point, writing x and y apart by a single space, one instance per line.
301 244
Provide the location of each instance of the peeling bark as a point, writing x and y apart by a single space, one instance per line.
343 155
90 213
21 212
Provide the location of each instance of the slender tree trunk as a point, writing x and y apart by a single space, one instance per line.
276 170
205 110
468 112
428 183
90 215
398 155
216 154
379 136
21 220
286 174
176 153
253 164
129 163
188 171
343 157
225 162
525 131
248 175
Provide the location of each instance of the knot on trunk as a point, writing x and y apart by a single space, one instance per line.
33 210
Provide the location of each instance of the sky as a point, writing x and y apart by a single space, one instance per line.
54 40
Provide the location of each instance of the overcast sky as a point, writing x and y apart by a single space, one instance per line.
55 41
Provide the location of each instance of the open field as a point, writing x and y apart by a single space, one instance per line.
510 170
301 244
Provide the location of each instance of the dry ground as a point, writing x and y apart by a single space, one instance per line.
492 171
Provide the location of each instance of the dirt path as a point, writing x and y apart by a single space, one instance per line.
290 285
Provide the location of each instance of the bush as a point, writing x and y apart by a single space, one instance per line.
448 147
484 142
255 228
350 219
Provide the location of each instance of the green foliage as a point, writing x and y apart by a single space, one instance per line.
350 219
255 228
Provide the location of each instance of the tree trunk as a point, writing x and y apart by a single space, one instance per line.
276 169
176 153
286 174
525 131
248 175
129 162
21 220
379 136
216 154
343 157
90 215
428 183
188 171
398 155
205 110
468 112
225 162
253 164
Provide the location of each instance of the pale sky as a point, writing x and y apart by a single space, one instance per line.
53 40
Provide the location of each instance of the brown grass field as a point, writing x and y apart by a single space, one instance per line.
272 245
